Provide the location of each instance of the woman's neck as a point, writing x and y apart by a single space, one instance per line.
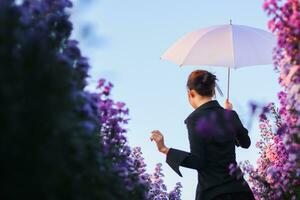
203 100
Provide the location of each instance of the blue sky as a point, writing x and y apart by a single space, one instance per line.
124 42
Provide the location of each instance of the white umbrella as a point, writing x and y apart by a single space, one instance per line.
231 46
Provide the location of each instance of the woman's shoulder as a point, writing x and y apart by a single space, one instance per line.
203 114
211 119
203 110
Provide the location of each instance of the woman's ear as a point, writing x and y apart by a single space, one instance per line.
192 93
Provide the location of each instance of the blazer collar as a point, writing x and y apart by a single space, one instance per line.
207 105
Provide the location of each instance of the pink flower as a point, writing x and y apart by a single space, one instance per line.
120 105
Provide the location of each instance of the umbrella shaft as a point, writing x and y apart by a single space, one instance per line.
228 81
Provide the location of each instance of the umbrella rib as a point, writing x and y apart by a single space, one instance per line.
264 38
196 43
261 36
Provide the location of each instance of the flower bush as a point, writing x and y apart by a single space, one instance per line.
156 187
269 179
59 141
277 175
48 145
127 163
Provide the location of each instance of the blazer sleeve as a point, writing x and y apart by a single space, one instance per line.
242 137
193 159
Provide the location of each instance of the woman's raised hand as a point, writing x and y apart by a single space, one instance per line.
228 105
158 137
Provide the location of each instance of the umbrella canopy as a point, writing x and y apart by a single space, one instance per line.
231 46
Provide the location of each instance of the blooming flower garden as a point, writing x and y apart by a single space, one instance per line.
60 141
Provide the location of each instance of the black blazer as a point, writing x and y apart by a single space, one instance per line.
213 134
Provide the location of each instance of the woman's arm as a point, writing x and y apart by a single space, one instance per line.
242 137
177 157
193 159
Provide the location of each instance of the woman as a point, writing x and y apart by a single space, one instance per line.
213 133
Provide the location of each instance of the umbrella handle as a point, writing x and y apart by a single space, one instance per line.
228 81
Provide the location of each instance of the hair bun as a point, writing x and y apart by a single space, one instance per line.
208 79
202 81
205 77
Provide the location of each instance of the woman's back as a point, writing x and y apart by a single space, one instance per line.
213 134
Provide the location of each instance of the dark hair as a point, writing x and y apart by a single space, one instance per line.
203 82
